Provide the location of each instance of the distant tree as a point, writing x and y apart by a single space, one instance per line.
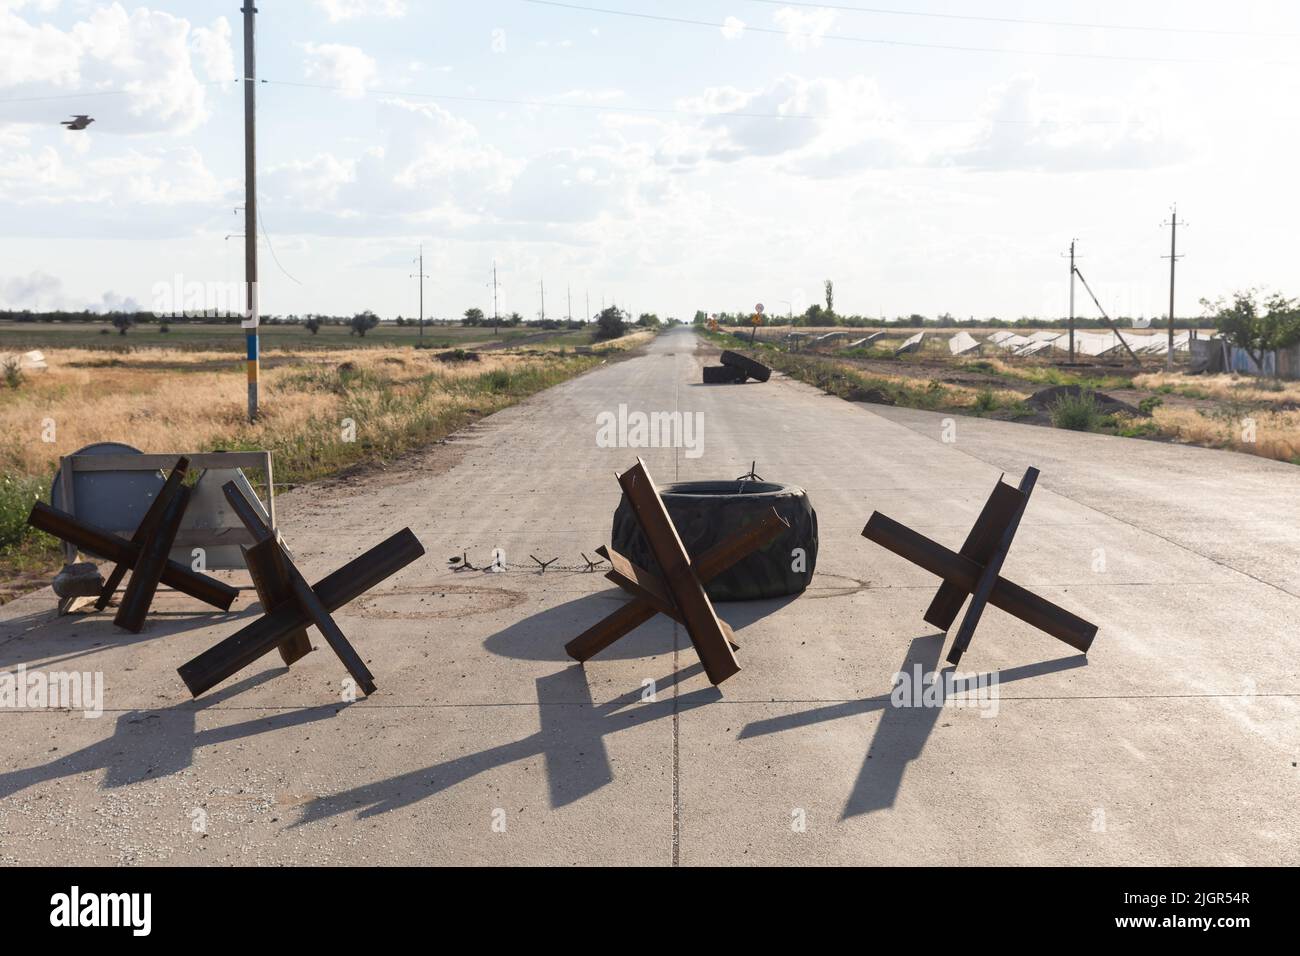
814 314
312 324
515 318
363 322
830 296
122 322
609 323
1256 327
474 316
648 320
700 317
400 320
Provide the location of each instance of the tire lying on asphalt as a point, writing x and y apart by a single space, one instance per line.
722 375
753 369
707 512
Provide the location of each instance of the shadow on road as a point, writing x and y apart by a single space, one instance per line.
542 636
571 741
147 744
32 638
902 732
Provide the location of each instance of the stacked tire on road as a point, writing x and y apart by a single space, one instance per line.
755 370
706 513
722 375
735 368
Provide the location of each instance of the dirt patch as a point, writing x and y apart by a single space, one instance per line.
873 395
1047 397
441 602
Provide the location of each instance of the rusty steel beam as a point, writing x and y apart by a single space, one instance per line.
687 590
708 565
245 513
989 576
359 575
609 629
644 586
983 538
149 566
109 546
146 527
266 567
319 615
965 574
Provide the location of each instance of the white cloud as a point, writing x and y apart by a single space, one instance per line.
348 68
338 10
212 49
732 28
804 29
822 126
150 55
1022 127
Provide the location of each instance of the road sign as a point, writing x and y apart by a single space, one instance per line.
759 308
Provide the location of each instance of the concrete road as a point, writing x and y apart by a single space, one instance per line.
1174 741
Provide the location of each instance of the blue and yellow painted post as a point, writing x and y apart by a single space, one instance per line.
253 365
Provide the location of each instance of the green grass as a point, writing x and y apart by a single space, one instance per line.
1079 413
837 379
17 494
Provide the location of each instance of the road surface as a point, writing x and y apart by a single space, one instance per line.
1173 742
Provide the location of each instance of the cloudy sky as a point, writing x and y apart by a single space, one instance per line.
664 154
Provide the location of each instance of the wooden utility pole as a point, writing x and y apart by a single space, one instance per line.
1072 242
541 284
250 207
495 320
1173 257
421 276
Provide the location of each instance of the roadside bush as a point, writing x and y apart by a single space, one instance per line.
1079 412
985 401
13 372
1150 404
17 494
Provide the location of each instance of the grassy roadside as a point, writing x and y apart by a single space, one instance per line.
324 411
843 379
1244 414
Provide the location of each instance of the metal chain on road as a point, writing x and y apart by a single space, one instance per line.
588 565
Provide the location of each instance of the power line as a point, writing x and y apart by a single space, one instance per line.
696 114
262 222
845 38
548 104
668 110
1026 21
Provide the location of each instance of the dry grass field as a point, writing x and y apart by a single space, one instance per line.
322 410
1248 414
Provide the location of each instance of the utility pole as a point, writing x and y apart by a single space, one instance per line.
495 321
587 317
420 275
541 284
250 206
1173 257
568 293
1072 274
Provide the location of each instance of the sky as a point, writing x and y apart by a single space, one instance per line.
927 156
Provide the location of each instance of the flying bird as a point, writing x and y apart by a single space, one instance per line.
80 121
